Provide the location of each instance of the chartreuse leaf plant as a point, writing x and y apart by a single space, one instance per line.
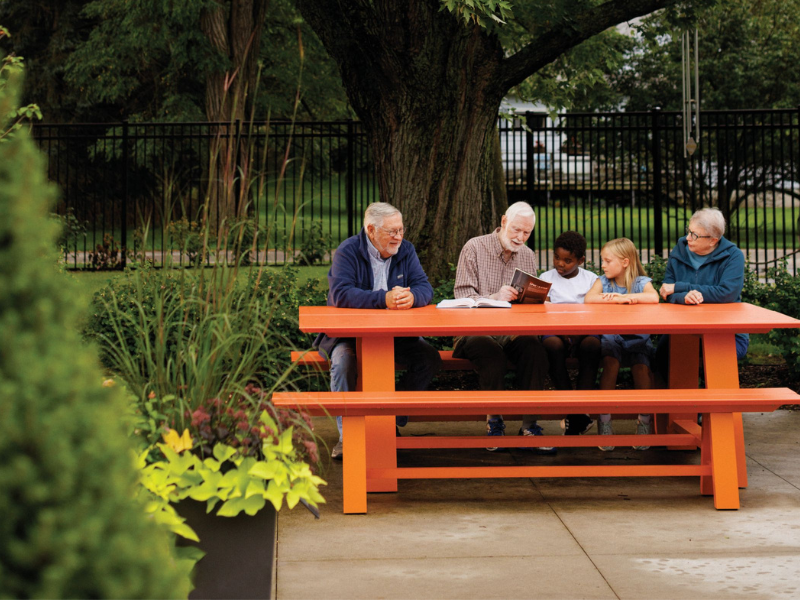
232 479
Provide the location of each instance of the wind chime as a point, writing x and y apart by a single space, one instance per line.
691 93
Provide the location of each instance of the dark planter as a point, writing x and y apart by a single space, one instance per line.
240 552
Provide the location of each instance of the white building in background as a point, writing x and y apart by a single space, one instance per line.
553 156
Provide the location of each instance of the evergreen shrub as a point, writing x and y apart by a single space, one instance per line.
69 524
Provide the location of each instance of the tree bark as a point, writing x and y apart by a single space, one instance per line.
428 88
233 27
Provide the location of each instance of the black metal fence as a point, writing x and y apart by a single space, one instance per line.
628 174
134 190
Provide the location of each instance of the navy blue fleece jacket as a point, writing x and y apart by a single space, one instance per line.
350 280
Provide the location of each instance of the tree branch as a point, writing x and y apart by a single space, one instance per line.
554 42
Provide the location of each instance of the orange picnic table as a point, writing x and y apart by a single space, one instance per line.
707 326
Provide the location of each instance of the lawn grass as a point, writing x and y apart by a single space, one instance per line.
289 224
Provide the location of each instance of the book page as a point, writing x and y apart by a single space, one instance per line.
457 303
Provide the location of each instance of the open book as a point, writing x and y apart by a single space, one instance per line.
470 303
532 290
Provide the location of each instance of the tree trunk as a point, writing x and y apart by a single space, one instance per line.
234 29
425 87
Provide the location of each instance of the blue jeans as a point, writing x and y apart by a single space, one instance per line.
422 363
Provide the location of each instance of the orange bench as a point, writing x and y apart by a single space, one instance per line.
312 358
718 463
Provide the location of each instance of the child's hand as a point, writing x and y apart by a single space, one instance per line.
611 297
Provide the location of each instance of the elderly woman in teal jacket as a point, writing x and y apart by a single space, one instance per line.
703 267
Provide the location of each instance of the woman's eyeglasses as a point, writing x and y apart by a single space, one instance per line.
691 235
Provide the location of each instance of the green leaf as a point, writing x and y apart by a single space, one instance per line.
223 452
265 470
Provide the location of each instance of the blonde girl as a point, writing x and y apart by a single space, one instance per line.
623 282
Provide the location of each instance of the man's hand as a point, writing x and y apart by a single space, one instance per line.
666 290
399 298
507 293
693 297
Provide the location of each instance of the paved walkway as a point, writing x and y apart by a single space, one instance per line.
649 538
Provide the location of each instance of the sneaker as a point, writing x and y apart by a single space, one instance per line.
605 429
576 424
336 453
642 429
535 429
495 427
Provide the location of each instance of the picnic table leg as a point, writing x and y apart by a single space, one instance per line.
724 474
376 374
722 371
354 465
684 370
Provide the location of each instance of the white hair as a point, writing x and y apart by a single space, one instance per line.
711 220
520 209
377 212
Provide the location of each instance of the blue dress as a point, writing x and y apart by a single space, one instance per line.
628 349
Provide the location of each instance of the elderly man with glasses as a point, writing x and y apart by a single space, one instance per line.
378 269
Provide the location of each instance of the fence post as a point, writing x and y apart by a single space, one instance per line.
125 169
349 192
658 222
529 167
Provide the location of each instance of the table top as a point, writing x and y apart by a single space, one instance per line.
542 319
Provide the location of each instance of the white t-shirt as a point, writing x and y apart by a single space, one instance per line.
569 291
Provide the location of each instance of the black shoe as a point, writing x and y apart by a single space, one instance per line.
576 424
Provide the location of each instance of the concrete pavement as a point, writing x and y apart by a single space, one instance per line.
626 538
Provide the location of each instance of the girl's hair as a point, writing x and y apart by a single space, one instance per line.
572 241
624 248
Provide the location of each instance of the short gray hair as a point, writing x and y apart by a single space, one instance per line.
711 220
377 212
520 209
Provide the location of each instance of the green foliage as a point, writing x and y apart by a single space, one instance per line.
243 239
189 337
12 116
187 237
781 293
315 246
72 230
237 481
480 12
656 269
70 526
748 53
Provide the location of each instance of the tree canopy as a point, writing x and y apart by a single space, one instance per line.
108 60
748 52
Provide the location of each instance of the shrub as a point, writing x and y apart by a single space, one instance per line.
656 269
70 526
157 315
315 246
781 293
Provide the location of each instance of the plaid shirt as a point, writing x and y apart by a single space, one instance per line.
482 271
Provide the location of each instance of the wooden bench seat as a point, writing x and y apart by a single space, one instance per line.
718 463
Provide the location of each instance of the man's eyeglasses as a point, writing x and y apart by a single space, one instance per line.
394 232
691 235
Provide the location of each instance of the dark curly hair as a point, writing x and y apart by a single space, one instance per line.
572 241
